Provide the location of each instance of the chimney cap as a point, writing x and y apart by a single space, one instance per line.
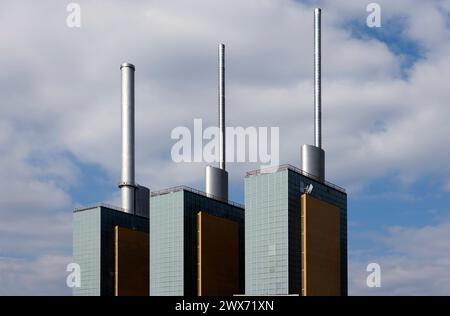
128 65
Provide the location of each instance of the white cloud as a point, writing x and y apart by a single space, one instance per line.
36 233
416 262
368 111
44 275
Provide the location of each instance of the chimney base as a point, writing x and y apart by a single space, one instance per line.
313 161
216 183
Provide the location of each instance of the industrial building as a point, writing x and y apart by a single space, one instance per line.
286 227
196 244
111 247
291 239
196 238
109 243
296 221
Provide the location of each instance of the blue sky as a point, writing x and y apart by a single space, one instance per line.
385 119
392 35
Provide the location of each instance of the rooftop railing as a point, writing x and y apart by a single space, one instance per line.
189 189
116 208
297 170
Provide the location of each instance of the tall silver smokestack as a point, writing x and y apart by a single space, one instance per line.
317 79
313 157
127 184
222 105
216 179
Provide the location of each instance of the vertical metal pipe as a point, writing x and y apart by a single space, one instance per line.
222 144
216 179
317 79
127 185
313 157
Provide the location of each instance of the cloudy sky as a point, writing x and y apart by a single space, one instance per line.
385 119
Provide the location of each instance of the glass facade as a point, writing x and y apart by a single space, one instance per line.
272 230
266 234
86 250
166 244
93 246
173 238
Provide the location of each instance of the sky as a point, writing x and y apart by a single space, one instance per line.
386 104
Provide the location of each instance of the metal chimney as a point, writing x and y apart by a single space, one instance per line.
313 157
216 179
127 185
317 79
222 105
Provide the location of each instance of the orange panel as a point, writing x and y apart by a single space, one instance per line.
131 262
218 256
320 247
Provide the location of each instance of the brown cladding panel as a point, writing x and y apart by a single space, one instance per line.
131 262
320 247
218 256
